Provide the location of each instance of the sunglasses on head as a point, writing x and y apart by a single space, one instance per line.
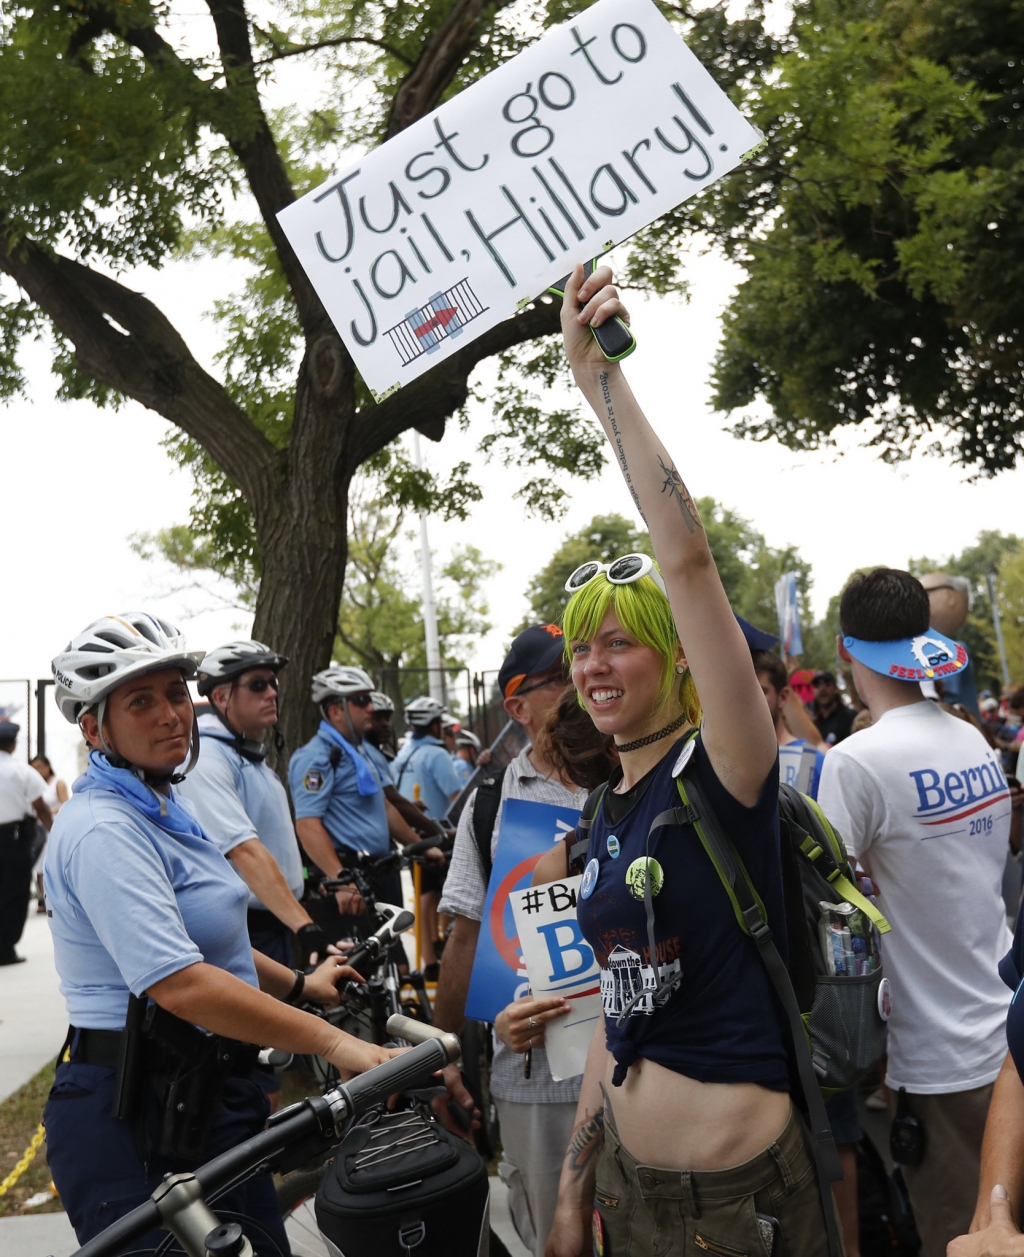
624 571
260 685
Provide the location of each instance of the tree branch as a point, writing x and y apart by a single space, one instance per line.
124 341
296 50
429 400
437 64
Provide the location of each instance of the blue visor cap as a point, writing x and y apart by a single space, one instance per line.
929 657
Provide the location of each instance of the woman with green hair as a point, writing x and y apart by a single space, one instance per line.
686 1138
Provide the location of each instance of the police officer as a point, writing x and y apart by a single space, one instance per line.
424 762
381 735
143 904
338 790
240 801
21 794
467 748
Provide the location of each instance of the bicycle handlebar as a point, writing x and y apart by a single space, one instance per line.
312 1117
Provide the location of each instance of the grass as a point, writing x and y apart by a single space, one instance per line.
20 1115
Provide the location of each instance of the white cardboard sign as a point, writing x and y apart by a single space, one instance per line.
559 961
593 132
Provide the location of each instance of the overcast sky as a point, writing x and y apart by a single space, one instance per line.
78 481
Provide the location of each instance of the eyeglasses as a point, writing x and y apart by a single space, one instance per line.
359 700
558 679
260 685
624 571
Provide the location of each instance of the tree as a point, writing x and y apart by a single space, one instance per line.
993 552
748 566
380 624
1010 593
881 233
121 140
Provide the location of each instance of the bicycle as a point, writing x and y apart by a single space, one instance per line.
313 1127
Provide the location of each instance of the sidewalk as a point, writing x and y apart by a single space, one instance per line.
32 1017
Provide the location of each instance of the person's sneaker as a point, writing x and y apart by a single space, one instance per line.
12 959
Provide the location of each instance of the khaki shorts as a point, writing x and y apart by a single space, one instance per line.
645 1211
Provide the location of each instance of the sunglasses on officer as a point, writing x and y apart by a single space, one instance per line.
260 685
359 700
624 571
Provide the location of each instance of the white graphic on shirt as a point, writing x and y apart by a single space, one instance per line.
626 977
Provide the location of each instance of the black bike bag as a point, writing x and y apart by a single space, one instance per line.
403 1185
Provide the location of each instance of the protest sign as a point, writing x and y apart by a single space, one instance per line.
559 961
593 132
789 615
527 831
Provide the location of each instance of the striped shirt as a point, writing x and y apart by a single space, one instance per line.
465 890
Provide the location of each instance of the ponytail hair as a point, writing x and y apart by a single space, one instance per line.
644 612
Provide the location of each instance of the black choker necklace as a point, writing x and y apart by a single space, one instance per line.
652 737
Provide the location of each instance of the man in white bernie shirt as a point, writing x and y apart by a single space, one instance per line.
922 802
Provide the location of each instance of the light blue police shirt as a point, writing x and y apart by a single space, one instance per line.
463 769
354 821
236 800
130 903
425 761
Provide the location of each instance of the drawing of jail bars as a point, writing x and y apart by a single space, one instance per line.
444 316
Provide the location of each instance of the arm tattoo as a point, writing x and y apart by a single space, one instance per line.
606 395
585 1144
674 487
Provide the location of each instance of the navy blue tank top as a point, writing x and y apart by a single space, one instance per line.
1011 970
722 1021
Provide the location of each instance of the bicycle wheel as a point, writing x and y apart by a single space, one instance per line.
296 1193
477 1051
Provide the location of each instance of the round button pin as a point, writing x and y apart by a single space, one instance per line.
589 879
614 847
636 877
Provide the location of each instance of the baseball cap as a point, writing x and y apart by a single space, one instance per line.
927 657
757 639
9 731
536 649
823 674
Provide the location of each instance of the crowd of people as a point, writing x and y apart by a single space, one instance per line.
176 886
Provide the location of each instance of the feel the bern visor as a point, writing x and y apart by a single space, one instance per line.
929 657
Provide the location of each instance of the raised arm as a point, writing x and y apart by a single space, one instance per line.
738 731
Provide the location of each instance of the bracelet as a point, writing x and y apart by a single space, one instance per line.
297 989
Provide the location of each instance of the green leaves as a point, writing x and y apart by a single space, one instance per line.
879 233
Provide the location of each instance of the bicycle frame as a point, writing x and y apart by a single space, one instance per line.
314 1125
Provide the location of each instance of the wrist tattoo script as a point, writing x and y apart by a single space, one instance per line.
674 487
585 1144
606 395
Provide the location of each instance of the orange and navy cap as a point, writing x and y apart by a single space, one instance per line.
537 649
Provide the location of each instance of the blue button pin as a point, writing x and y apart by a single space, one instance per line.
614 846
589 879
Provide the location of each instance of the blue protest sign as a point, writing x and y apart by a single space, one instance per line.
527 831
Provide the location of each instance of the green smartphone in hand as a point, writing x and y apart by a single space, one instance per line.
614 338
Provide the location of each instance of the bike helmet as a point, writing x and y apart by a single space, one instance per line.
422 712
231 660
381 702
465 738
340 681
111 651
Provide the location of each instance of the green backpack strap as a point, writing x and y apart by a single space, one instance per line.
824 847
580 848
750 914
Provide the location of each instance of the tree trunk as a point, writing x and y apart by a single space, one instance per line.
303 534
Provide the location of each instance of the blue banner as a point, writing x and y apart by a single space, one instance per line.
789 615
527 831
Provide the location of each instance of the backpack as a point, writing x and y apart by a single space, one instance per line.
835 1021
485 814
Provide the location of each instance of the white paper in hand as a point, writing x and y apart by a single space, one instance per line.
559 961
587 136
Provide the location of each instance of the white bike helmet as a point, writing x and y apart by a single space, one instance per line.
111 651
381 702
465 738
422 712
231 660
340 681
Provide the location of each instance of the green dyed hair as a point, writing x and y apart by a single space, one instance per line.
645 614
